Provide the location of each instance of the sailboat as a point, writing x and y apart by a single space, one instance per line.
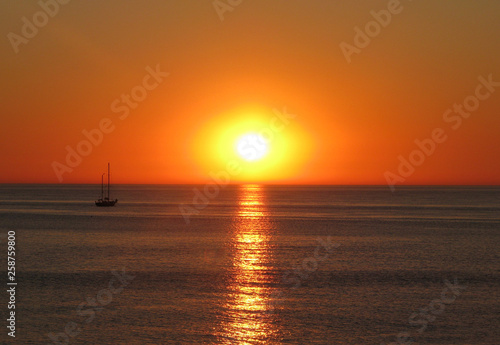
105 201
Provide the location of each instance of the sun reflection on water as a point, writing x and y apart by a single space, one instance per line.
247 319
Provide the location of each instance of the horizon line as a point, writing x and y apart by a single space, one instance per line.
255 183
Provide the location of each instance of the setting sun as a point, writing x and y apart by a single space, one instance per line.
264 144
252 147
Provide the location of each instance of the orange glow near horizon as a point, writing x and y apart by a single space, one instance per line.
288 146
179 100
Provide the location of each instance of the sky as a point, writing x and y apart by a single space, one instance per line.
334 92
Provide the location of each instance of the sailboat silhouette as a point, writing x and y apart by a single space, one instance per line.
105 201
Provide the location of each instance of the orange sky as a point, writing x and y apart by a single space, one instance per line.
352 120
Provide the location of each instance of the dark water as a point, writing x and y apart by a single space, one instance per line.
257 265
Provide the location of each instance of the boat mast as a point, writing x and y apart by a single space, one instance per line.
102 186
108 180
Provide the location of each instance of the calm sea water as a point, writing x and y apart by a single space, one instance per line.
256 265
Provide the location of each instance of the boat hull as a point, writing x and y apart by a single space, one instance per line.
106 203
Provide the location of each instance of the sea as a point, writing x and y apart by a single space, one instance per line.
250 264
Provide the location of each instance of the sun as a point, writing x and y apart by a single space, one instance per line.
252 147
252 144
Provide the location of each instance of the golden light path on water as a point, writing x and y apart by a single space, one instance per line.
247 319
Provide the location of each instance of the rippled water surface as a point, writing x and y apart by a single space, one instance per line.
254 265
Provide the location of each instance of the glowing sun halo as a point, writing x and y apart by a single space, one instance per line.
252 147
252 144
